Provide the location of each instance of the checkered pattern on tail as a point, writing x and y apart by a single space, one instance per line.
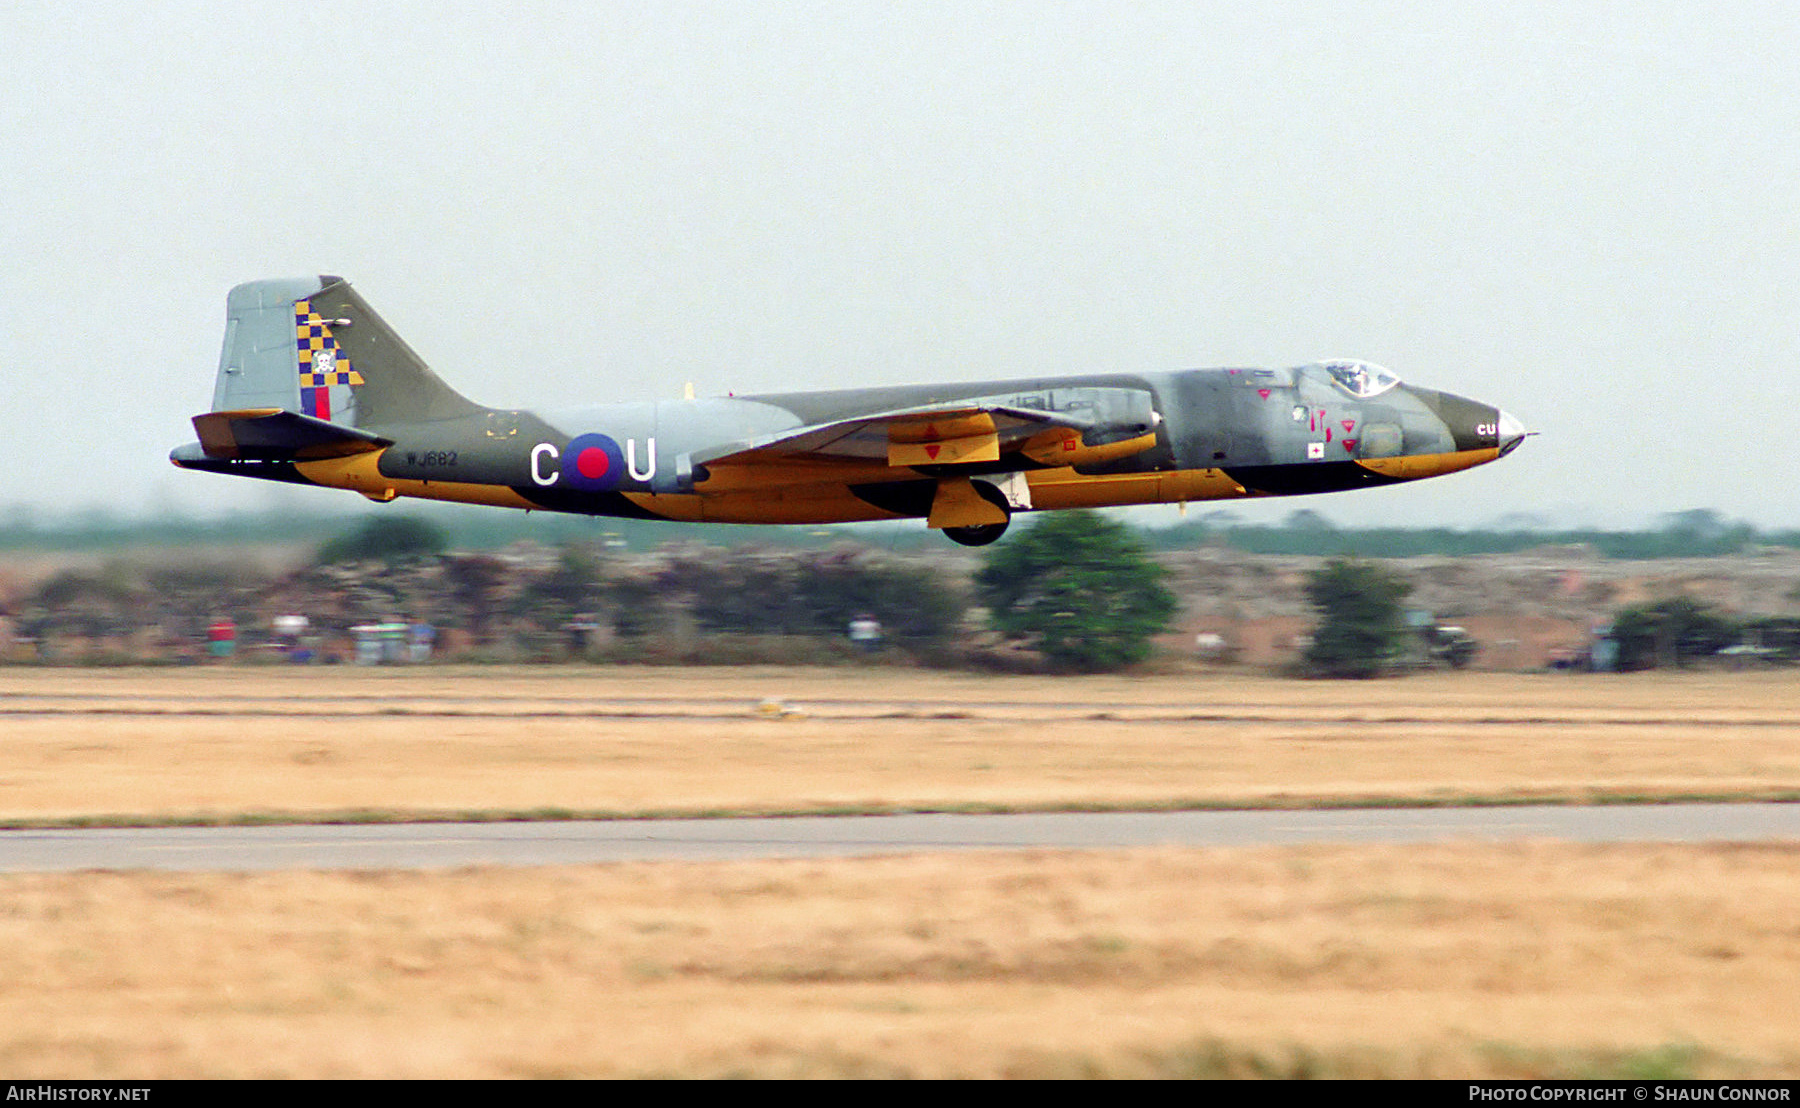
322 364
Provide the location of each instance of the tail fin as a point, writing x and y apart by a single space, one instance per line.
313 346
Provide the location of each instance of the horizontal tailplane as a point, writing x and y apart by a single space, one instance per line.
271 434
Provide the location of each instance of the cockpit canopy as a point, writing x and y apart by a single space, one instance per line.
1361 378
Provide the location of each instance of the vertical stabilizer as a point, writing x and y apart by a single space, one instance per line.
397 386
311 345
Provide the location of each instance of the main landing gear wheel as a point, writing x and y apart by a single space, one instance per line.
982 534
976 536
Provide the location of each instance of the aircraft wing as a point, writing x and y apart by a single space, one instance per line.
939 435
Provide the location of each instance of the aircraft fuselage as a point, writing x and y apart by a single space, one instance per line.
964 456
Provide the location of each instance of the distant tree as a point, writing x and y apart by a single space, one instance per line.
572 587
1672 632
741 592
913 604
1701 523
1305 519
816 593
1700 532
476 583
1079 589
1360 631
1779 635
183 597
640 606
87 602
385 538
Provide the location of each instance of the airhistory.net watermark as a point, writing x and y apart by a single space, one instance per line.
56 1092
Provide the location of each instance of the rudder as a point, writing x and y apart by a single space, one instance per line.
257 362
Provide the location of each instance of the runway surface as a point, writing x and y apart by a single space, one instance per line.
450 845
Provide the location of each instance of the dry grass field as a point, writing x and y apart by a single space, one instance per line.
216 743
1442 961
1535 959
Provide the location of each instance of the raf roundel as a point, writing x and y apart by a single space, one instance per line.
593 463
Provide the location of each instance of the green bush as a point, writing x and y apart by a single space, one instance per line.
1360 632
1672 632
1079 589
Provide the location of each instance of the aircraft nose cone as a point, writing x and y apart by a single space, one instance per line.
1471 424
1510 432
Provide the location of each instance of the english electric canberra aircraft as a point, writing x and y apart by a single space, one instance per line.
314 388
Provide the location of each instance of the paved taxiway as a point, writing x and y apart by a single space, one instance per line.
443 845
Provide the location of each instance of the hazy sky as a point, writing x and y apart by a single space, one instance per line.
1587 213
